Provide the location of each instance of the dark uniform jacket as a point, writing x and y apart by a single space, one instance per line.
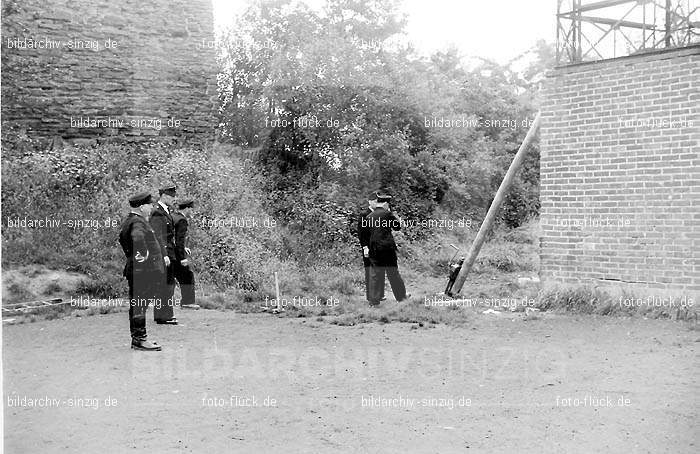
142 250
180 223
382 248
363 230
164 227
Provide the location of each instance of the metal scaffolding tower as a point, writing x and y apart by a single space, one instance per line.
589 31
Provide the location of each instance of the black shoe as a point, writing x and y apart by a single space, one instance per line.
383 298
145 345
373 303
405 298
172 321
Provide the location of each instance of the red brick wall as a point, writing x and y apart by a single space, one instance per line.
620 172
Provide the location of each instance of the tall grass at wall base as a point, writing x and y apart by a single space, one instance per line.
591 300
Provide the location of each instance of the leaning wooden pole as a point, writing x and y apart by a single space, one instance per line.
495 205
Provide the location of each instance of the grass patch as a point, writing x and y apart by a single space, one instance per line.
52 287
500 258
590 300
102 286
17 293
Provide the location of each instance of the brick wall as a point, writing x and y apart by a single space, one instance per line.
156 69
620 173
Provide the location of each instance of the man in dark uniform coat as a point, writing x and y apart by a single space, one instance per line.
363 233
382 252
181 265
164 227
144 269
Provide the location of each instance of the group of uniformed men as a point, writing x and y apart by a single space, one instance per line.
154 240
374 229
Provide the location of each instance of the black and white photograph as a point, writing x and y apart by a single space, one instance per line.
350 226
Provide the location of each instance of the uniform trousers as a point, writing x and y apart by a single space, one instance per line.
385 263
144 288
368 270
163 310
185 277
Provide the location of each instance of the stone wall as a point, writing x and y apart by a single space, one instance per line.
95 70
620 173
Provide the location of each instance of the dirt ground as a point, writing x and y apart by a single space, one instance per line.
226 382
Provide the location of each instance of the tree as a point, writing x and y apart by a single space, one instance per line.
339 105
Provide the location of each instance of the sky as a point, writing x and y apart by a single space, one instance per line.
495 29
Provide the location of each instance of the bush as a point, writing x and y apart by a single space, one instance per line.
94 184
314 253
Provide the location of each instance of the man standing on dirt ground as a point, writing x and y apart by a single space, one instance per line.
144 269
382 252
363 233
163 226
181 266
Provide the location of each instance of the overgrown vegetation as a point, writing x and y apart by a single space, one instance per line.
375 106
317 110
590 300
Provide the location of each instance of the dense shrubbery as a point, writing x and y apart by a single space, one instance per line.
374 107
95 183
286 65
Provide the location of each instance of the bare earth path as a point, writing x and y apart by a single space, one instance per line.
255 383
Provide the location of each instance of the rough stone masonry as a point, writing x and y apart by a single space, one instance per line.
620 173
96 70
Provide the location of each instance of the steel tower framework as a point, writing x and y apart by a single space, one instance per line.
588 31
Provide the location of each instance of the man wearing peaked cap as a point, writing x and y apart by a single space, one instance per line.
181 265
164 227
144 269
382 252
363 234
140 199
